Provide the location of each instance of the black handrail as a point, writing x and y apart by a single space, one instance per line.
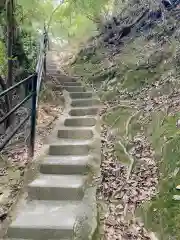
35 81
2 94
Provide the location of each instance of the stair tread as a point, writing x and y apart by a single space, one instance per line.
73 84
58 181
66 160
84 111
68 128
58 214
85 99
85 102
65 165
88 92
80 117
85 107
79 95
69 141
74 87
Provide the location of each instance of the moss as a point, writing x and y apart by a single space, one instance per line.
104 75
137 79
117 119
107 95
121 155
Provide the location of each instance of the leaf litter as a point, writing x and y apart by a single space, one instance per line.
124 194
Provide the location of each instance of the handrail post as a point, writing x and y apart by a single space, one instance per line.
45 67
33 115
45 51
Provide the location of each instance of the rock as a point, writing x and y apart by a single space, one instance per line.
178 123
176 197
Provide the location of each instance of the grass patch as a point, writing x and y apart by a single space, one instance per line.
121 155
107 95
136 79
117 119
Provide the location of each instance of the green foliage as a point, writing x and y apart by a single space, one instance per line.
31 49
77 19
91 9
32 14
72 28
70 19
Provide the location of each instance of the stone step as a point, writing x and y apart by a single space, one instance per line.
64 147
65 79
84 111
85 102
57 187
75 133
75 89
65 164
45 220
80 122
80 95
72 84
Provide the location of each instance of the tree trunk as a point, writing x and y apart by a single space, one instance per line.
10 29
10 37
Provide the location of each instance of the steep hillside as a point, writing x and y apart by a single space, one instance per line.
134 64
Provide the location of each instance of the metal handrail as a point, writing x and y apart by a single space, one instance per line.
41 63
35 80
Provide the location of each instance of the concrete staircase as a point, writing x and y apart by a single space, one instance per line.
61 199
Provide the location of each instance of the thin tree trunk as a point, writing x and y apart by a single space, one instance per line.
10 36
10 42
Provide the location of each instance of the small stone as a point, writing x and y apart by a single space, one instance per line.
178 187
176 197
178 123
